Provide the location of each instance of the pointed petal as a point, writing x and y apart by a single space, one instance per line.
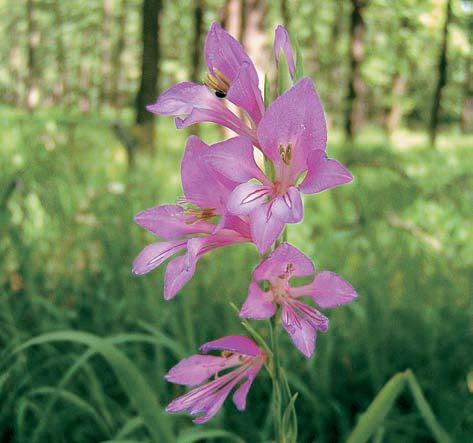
301 332
316 319
258 305
265 228
200 183
246 197
323 173
213 405
282 42
239 397
233 343
178 272
234 159
198 368
155 254
225 54
295 118
285 259
288 207
170 222
329 290
244 92
195 103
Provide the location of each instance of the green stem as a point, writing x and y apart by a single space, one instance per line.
276 371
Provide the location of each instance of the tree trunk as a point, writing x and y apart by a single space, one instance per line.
394 116
467 111
231 17
197 43
60 89
117 70
335 70
441 78
399 79
285 14
107 19
149 73
33 36
253 37
354 110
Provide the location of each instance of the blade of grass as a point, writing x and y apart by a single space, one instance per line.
370 421
425 410
131 380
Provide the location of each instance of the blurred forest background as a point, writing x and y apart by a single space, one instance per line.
80 156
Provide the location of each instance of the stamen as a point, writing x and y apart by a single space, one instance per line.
286 153
218 83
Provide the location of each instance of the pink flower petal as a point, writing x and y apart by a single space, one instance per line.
244 92
295 118
323 173
288 207
286 259
178 272
239 397
155 254
282 42
234 159
170 222
200 182
265 228
301 332
198 368
233 343
225 54
258 305
247 197
196 104
329 290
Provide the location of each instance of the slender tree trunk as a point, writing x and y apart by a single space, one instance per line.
394 117
399 81
285 14
199 6
117 71
467 111
335 69
60 90
441 78
254 36
149 74
106 40
354 111
84 76
231 17
33 36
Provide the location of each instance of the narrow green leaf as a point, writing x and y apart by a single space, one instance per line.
267 92
78 403
299 63
374 416
129 427
425 410
284 80
131 380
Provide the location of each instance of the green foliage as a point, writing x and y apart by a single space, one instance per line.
401 233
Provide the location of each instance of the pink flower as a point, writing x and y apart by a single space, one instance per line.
282 42
231 76
189 226
301 321
239 353
293 135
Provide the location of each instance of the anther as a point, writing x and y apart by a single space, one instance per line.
286 153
